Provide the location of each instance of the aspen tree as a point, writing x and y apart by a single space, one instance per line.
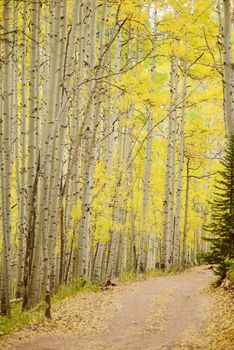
1 159
113 243
105 65
144 239
33 115
33 154
150 255
141 260
14 95
108 134
97 264
73 178
132 254
23 134
17 151
1 175
227 68
59 140
146 190
180 171
170 169
172 165
186 207
89 130
6 166
32 166
37 279
51 130
126 183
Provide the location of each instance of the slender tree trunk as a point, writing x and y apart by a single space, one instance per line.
176 252
167 242
17 152
227 69
186 208
6 166
89 130
144 239
59 141
32 166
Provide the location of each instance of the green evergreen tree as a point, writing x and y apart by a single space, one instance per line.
221 255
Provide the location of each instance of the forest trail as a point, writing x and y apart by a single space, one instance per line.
159 313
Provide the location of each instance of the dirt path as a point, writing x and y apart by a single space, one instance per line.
159 313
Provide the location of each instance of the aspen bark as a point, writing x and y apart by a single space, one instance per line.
72 182
176 248
17 152
132 250
144 240
167 242
1 164
32 160
185 228
146 191
89 130
59 140
97 273
6 166
114 234
228 72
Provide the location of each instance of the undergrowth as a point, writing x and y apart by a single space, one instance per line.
20 318
73 288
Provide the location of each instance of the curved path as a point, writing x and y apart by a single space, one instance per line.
159 313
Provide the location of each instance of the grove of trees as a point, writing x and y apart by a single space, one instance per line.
111 130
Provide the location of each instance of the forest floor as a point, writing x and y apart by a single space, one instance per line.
171 312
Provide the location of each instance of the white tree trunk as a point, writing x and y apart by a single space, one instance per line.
228 72
6 164
176 247
186 209
167 248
